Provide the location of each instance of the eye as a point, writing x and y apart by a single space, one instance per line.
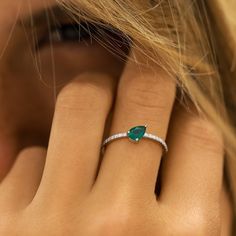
86 32
68 48
73 32
69 32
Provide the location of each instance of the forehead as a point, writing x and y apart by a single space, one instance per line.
26 4
10 10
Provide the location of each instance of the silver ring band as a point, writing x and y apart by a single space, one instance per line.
145 135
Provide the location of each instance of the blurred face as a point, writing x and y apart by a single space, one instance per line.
41 49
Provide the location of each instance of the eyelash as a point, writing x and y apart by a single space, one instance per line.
73 32
85 31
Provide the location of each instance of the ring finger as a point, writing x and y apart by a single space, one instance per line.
145 96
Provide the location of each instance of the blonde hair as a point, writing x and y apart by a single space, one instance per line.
194 41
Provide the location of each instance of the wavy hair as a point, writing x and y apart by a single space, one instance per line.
193 41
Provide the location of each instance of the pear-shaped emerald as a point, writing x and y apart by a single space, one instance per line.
136 133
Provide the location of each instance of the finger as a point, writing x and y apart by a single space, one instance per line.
73 153
8 151
145 96
193 168
20 185
226 211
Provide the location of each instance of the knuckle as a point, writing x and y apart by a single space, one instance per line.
87 92
38 221
147 94
6 223
116 222
197 223
29 156
31 151
203 134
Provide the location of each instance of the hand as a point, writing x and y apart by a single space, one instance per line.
79 196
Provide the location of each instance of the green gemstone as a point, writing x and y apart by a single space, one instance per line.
136 133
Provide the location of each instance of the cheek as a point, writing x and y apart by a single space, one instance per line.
69 60
29 76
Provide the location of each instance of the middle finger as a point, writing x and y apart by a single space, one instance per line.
145 96
74 147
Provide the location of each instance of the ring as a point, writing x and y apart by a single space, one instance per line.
135 134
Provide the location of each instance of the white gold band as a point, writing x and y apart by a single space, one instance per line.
146 135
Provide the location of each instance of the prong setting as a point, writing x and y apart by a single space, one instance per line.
135 134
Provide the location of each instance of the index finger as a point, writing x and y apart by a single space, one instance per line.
9 148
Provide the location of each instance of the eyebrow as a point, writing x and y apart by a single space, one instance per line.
39 17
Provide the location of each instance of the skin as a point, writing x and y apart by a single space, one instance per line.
65 187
